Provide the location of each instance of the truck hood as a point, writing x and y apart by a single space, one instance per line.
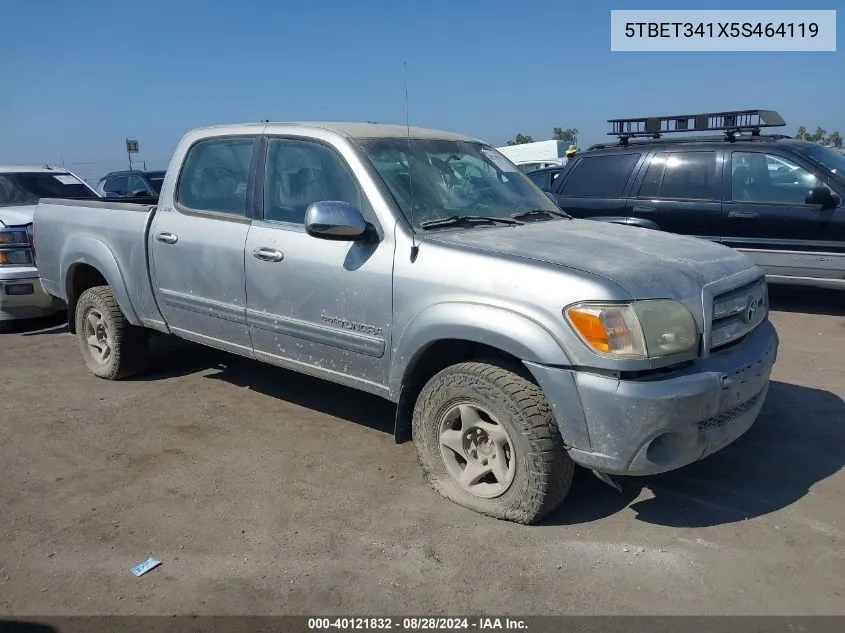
646 263
16 216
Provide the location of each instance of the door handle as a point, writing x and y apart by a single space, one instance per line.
268 254
644 209
167 238
749 215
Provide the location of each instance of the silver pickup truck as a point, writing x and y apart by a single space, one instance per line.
423 267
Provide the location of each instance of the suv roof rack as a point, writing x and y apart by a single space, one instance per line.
691 139
732 123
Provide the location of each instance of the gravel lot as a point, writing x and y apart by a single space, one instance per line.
263 491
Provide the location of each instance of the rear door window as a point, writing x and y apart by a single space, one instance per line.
137 186
599 176
215 175
682 176
542 179
116 185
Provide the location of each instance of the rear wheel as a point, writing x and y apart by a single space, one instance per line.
112 347
486 439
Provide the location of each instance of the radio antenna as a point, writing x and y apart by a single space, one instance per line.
415 249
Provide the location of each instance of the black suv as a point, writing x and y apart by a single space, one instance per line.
776 199
131 184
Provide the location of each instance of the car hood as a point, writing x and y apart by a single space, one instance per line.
646 263
18 215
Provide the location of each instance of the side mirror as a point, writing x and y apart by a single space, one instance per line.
822 197
334 220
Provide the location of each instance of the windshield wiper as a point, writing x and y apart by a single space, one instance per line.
466 220
535 212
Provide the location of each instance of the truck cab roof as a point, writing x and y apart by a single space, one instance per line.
347 129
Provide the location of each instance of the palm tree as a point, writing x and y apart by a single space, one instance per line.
834 139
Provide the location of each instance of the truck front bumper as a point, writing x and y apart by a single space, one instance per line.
22 297
665 421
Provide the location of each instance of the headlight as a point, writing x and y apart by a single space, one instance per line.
641 329
14 237
16 257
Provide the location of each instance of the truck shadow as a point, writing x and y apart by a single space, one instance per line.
806 300
25 626
798 441
53 324
172 357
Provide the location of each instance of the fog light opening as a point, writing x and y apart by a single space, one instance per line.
665 449
17 290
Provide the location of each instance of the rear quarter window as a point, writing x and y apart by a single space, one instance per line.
599 176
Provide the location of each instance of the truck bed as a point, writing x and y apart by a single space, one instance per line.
108 235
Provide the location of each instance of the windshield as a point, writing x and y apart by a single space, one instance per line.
155 179
828 158
27 187
437 179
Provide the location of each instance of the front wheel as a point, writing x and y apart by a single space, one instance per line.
486 439
112 347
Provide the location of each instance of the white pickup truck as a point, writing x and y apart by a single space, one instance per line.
21 186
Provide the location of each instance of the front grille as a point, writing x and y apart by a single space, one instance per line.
737 312
730 414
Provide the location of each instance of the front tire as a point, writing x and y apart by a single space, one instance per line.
486 439
111 347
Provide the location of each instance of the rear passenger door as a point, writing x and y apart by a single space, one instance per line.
197 244
767 218
679 191
595 186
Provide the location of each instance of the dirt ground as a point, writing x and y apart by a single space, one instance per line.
266 492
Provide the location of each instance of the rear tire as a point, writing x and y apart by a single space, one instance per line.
111 347
486 438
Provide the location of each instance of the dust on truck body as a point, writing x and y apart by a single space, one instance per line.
421 266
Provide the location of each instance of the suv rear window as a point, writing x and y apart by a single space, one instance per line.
600 176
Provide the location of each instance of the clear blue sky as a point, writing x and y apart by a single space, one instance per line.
79 77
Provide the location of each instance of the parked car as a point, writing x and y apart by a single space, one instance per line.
515 340
776 199
21 186
131 184
545 178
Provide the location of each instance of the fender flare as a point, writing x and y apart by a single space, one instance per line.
91 251
498 327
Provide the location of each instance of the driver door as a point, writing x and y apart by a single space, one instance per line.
319 306
766 217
